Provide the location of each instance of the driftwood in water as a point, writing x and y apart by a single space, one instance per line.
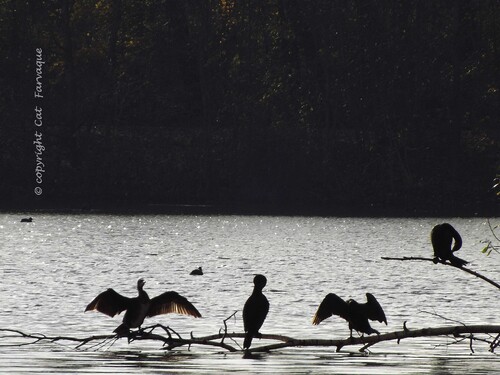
435 260
459 333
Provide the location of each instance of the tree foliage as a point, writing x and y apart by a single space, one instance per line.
342 105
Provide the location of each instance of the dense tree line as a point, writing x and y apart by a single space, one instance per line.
350 106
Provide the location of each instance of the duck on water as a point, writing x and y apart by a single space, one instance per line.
197 271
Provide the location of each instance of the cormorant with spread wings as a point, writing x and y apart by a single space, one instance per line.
356 314
140 307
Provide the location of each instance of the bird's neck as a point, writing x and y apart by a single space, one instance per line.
257 291
143 295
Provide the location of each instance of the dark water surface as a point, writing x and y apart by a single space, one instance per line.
52 268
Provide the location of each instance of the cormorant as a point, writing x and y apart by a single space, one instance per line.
356 314
442 236
255 311
140 307
27 220
197 271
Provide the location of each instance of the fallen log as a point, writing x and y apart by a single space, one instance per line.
170 342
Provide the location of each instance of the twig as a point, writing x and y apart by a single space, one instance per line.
495 343
442 317
457 337
492 230
225 325
489 243
40 337
434 260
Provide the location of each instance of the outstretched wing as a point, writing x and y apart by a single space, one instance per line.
172 302
331 305
109 303
373 309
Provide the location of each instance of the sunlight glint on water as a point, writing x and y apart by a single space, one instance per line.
53 267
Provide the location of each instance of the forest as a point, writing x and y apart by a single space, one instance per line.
339 107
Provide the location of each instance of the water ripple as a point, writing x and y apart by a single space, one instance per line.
53 267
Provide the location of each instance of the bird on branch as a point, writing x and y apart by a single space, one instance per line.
255 311
138 308
356 314
442 236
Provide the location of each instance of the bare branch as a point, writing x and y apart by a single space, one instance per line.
368 341
225 327
170 342
435 260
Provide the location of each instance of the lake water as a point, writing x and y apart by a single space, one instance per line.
52 268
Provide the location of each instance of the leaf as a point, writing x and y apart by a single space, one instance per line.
486 248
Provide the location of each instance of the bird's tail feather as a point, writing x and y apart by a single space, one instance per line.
456 261
122 330
248 340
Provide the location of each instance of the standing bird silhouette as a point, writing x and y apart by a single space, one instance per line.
356 314
442 236
140 307
255 311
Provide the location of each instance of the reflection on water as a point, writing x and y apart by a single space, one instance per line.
53 267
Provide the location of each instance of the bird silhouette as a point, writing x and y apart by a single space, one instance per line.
138 308
197 271
442 236
255 311
356 314
27 220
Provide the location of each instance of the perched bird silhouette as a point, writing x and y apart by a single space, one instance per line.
442 236
356 314
197 271
27 220
140 307
255 311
